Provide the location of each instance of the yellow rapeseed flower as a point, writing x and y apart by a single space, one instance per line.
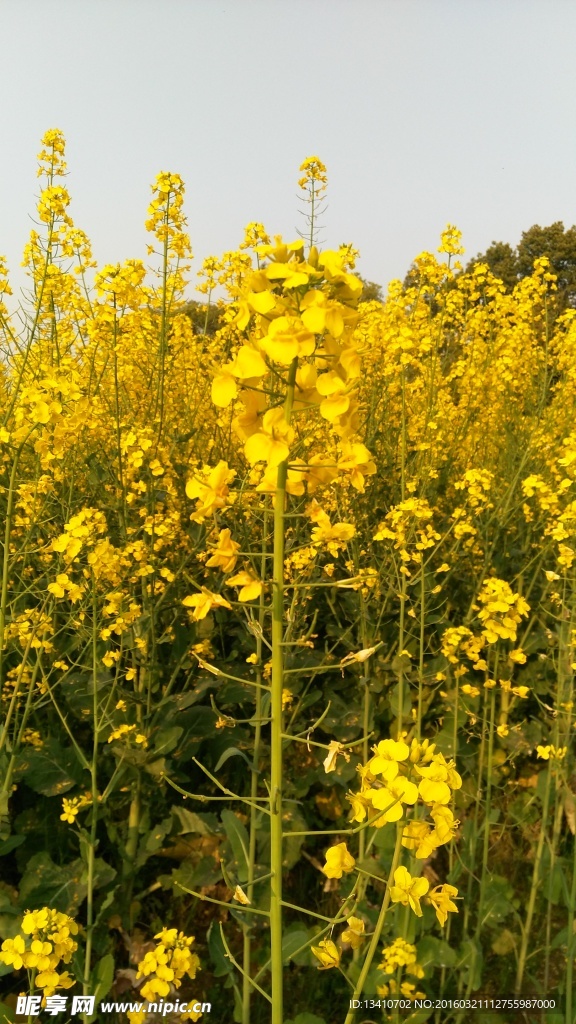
204 602
353 934
338 861
442 900
327 953
408 890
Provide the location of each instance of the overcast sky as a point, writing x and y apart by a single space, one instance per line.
424 111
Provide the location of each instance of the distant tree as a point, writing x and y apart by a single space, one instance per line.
204 322
371 292
503 262
555 241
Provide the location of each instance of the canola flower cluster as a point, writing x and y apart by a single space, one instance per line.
398 776
164 968
400 954
295 315
44 942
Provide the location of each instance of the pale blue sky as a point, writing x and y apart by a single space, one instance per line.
424 111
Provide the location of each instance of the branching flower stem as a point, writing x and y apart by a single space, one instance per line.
276 724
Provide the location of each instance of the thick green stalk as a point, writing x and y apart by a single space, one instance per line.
366 713
563 688
451 844
131 850
473 842
276 725
351 1015
568 696
91 851
487 811
403 585
571 951
254 813
132 837
32 988
534 886
486 838
557 815
421 651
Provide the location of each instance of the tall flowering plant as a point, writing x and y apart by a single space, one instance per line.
291 379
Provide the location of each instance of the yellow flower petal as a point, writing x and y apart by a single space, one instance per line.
224 390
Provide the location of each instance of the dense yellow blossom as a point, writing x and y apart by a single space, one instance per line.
46 942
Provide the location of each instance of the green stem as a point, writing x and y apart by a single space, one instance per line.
487 810
571 951
247 985
366 710
534 886
421 651
486 838
131 848
91 852
350 1016
276 959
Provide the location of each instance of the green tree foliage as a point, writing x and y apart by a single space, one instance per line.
205 319
371 291
555 241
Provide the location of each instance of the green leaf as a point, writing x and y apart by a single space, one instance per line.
10 844
470 958
497 902
198 723
292 940
420 1016
4 816
232 752
46 884
306 1018
238 838
222 965
192 875
166 739
505 942
374 867
103 873
9 924
156 837
51 771
203 824
435 952
182 701
6 1014
102 977
293 821
107 902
